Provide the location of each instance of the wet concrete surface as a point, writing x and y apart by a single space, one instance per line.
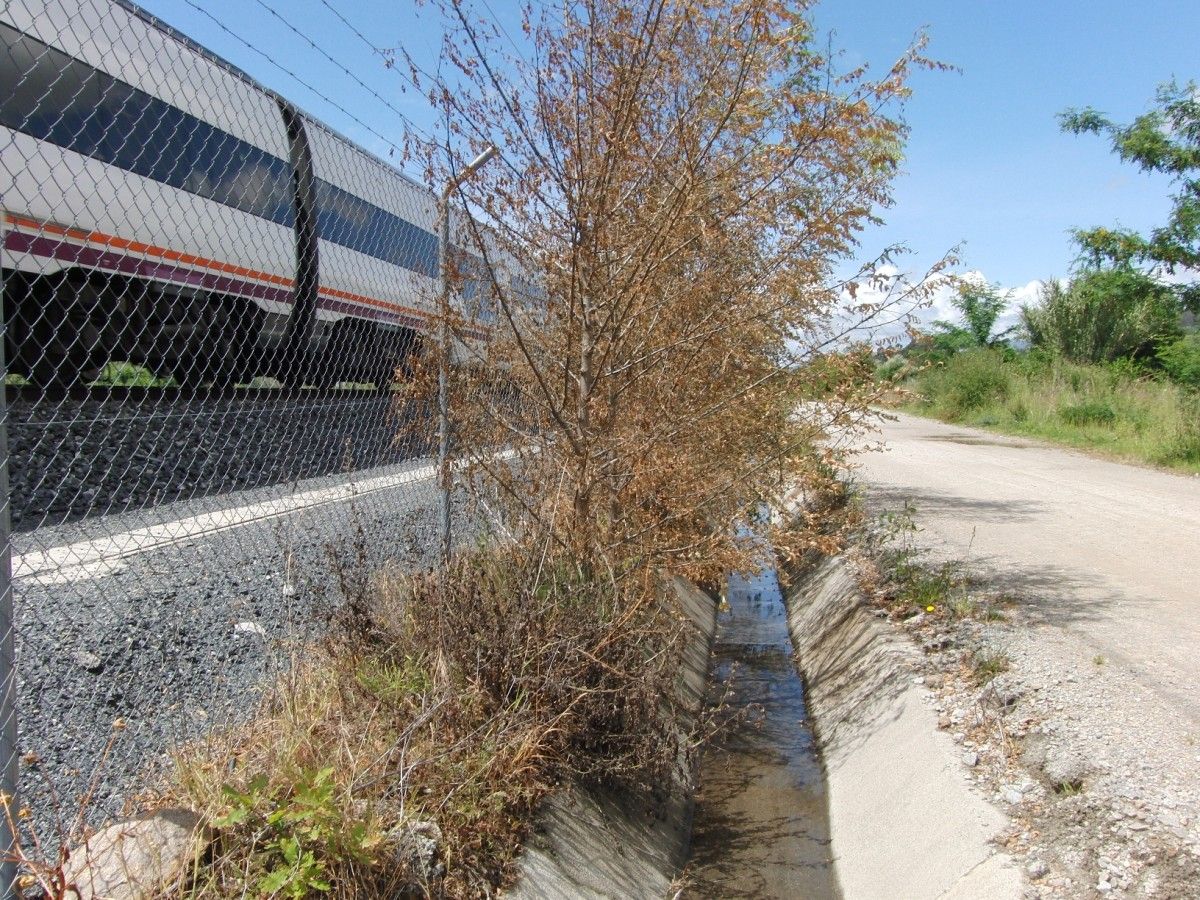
761 824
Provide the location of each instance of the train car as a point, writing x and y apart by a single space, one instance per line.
163 208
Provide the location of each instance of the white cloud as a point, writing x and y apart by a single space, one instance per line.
899 311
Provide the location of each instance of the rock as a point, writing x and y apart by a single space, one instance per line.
250 628
1064 767
1036 869
1003 690
1012 795
970 758
87 660
138 859
417 844
1103 886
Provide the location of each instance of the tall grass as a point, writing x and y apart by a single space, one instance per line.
1111 408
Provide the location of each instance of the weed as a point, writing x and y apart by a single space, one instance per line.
1091 412
967 382
1116 408
1098 660
986 665
1069 788
448 702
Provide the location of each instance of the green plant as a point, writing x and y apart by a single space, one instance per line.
968 382
393 682
1166 139
1069 788
1182 444
1180 360
1118 408
1090 412
979 305
295 829
987 664
124 374
1102 315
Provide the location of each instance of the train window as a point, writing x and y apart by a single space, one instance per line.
348 220
56 98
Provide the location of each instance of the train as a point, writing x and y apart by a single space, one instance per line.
163 208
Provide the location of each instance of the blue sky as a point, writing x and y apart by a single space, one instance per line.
986 164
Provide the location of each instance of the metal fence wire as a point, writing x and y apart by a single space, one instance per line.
212 305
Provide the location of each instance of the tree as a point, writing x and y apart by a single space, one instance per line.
980 305
1103 315
1166 139
679 176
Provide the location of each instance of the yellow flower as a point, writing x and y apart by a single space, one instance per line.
930 608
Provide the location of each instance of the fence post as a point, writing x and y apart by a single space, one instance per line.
8 669
443 212
444 370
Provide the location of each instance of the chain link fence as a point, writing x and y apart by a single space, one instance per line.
213 308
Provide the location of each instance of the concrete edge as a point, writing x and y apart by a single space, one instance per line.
592 844
903 820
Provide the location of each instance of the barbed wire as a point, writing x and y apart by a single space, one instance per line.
301 81
424 136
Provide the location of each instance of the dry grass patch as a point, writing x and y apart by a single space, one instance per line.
405 755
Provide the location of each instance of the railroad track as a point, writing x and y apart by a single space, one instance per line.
76 454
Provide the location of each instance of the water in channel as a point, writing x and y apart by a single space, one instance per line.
761 827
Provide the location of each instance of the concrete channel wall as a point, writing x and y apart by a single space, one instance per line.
589 844
903 821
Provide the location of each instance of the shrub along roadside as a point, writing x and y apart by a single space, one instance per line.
1111 408
404 755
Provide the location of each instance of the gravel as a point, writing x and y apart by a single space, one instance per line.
74 459
1100 776
116 668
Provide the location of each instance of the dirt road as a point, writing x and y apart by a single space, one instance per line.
1107 551
1090 740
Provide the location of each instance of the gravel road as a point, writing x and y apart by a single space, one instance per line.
1104 550
1092 739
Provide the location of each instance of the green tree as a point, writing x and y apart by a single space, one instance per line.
1103 314
1166 139
980 305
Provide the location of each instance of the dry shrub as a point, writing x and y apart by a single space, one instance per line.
445 707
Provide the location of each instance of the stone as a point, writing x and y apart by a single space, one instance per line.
1063 767
417 843
970 758
87 660
1036 869
138 859
250 628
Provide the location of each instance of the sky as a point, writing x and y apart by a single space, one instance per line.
986 167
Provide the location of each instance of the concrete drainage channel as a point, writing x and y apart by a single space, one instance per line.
901 820
893 816
760 828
